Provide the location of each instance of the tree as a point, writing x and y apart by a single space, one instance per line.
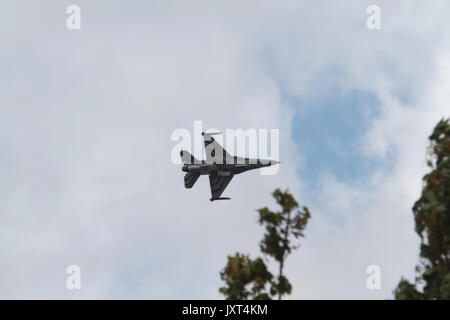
406 291
240 273
281 228
432 219
245 278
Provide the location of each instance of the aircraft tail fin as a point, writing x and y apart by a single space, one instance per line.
215 153
188 158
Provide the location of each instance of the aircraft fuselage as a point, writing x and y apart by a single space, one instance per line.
225 169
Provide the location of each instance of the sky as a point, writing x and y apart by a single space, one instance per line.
85 141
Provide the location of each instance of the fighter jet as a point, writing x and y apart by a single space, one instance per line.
219 165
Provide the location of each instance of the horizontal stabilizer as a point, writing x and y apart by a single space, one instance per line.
190 178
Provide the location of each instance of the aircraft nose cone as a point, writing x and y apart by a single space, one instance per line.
274 162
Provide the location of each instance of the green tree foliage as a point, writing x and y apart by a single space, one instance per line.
282 227
246 278
406 291
432 218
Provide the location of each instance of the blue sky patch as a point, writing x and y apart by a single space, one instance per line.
328 129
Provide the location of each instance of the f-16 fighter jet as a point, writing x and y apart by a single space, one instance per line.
219 165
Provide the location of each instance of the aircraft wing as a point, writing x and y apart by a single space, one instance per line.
215 153
218 184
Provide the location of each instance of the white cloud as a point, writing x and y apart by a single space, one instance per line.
85 140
